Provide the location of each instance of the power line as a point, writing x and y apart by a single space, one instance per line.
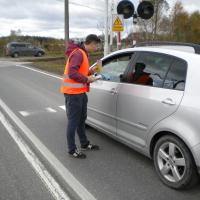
78 4
82 5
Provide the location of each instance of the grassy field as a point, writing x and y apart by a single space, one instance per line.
54 66
57 64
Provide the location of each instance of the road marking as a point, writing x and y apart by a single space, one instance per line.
62 107
24 113
32 112
39 168
39 71
63 172
50 110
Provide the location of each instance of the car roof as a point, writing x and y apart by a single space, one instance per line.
182 46
172 52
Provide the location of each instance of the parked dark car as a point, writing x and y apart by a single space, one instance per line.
16 49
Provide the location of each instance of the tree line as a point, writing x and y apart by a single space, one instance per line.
174 25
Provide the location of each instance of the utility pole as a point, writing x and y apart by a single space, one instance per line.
66 23
106 29
111 21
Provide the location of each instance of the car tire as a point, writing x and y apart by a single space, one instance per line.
174 163
39 54
15 55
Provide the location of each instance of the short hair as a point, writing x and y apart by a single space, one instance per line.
92 38
140 65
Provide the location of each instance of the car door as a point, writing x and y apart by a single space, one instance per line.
140 106
22 49
103 93
29 50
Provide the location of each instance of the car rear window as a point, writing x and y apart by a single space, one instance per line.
149 69
176 75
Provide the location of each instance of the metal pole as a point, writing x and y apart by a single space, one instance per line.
111 21
106 29
66 23
118 40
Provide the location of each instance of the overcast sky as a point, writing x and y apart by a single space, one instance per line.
46 17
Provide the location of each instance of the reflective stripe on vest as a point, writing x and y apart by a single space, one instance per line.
74 85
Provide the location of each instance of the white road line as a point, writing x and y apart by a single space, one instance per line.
24 113
39 168
32 112
69 179
50 110
39 71
62 107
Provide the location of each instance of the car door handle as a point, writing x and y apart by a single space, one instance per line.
169 101
113 91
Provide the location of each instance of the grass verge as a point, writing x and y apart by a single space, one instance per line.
53 66
58 65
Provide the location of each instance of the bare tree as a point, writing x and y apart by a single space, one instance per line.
177 10
15 33
101 27
150 28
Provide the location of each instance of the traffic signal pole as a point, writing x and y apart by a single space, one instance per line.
106 29
66 23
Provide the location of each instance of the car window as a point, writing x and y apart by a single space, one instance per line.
176 76
29 46
13 45
20 45
149 69
114 67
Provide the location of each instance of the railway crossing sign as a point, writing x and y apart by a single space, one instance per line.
117 23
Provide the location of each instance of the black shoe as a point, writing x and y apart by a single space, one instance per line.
90 146
77 154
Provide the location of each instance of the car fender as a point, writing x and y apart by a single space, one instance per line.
176 126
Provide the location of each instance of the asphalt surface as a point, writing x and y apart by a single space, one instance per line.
17 178
116 172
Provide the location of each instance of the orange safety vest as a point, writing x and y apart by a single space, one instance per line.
143 79
70 86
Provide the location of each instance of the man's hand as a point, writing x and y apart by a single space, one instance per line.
91 79
93 70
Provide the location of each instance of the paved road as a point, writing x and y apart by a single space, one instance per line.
17 179
114 173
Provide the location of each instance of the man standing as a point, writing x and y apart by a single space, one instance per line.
74 87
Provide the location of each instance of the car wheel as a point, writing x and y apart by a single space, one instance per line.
16 55
174 163
39 54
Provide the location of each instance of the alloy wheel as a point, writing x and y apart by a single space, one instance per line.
171 162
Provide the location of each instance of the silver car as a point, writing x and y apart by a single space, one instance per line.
149 99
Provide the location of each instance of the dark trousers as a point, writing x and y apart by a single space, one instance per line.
76 110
